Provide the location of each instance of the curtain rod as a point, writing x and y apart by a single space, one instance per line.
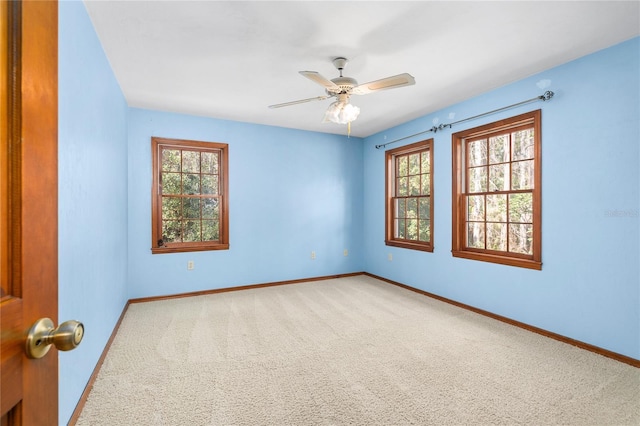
544 97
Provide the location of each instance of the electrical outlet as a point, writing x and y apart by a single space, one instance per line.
190 265
313 255
345 252
390 257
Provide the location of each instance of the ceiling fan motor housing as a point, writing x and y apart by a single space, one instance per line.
344 83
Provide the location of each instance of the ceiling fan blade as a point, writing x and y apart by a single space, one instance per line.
399 80
301 101
314 76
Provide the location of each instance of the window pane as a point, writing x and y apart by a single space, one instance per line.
497 236
171 183
171 208
497 208
523 144
414 185
402 169
475 235
171 160
210 231
400 230
190 183
209 163
216 163
209 208
190 161
425 178
499 177
412 229
171 231
475 207
425 231
522 175
192 231
478 179
521 208
477 153
403 187
401 208
424 208
521 238
426 166
412 207
414 164
191 208
210 184
499 149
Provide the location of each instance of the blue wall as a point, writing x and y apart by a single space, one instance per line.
291 192
588 288
92 203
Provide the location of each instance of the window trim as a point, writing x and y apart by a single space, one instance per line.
389 195
156 199
458 244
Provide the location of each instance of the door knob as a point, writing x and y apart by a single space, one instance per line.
42 335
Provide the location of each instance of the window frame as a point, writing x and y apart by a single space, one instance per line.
157 144
459 181
390 187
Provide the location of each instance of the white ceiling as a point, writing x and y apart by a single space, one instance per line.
231 59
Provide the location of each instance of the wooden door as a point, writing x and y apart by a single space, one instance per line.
29 194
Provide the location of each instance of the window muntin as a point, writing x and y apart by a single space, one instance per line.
496 196
409 209
190 202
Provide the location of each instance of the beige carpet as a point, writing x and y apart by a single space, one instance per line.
350 351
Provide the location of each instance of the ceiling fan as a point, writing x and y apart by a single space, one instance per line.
341 111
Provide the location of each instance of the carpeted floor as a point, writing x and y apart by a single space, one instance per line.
349 351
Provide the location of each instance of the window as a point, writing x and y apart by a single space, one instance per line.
409 196
496 192
189 196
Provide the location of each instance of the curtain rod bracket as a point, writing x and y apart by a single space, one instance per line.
435 129
547 95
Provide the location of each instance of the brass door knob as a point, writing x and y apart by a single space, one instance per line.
42 335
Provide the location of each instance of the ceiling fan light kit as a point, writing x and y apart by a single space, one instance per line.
341 111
